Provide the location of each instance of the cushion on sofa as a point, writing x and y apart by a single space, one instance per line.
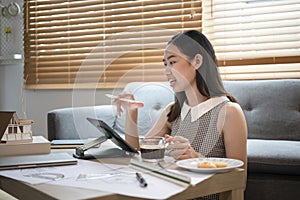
156 95
271 107
274 156
71 123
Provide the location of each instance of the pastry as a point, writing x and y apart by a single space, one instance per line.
220 164
206 164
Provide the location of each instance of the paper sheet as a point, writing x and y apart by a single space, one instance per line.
112 178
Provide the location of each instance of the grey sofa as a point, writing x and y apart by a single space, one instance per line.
272 110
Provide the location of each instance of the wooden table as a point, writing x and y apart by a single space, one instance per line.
230 185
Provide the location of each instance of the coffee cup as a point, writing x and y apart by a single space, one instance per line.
152 148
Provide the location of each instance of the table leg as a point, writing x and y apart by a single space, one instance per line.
232 195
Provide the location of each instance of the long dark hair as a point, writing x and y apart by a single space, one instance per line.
208 79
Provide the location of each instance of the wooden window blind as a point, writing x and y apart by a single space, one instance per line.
100 44
254 39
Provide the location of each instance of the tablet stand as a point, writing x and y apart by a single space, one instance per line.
109 133
79 151
102 153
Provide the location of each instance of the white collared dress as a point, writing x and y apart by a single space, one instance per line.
199 125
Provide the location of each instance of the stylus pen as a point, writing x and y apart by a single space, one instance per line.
142 181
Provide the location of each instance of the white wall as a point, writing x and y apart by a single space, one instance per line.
36 103
10 87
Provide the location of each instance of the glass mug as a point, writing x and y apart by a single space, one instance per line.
152 148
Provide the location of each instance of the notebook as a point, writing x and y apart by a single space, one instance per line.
41 160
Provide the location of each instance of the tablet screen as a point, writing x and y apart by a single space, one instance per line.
112 135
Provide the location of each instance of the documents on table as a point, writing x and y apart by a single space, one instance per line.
120 179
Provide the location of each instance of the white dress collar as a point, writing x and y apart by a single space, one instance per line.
202 108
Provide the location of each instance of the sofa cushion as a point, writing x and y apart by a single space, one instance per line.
273 156
156 95
271 107
71 123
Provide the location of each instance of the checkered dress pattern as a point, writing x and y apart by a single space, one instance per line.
202 135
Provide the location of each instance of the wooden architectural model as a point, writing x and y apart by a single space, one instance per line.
13 129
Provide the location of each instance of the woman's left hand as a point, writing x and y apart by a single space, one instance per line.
180 148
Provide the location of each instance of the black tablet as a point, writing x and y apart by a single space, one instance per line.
112 135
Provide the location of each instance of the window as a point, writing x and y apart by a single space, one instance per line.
100 44
254 39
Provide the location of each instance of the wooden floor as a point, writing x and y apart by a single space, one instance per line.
5 196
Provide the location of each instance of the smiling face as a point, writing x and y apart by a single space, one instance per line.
179 71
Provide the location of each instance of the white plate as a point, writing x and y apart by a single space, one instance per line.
191 164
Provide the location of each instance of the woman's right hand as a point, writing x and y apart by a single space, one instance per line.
126 101
180 148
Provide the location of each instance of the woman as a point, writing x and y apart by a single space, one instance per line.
204 121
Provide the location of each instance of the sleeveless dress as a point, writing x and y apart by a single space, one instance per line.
199 125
